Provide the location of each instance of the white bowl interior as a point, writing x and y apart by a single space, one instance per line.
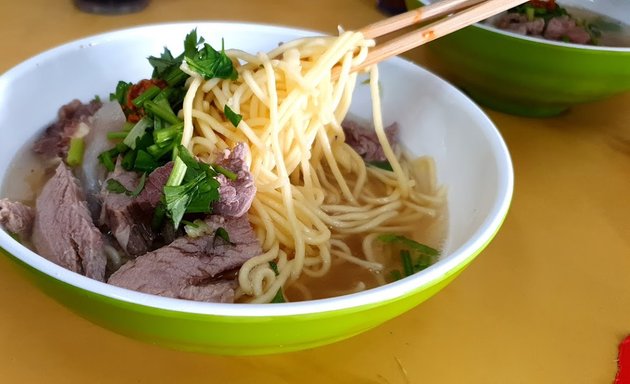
615 9
435 119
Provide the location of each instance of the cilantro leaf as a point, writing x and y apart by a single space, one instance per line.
211 63
191 42
191 188
382 165
164 63
232 116
116 186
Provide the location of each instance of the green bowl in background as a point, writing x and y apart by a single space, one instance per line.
530 76
471 160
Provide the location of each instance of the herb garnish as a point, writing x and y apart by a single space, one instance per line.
222 233
279 297
116 186
414 256
191 187
232 116
274 267
210 63
382 165
154 137
75 151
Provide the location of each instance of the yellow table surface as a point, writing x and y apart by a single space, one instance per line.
547 302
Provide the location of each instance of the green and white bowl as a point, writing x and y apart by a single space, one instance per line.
435 119
531 76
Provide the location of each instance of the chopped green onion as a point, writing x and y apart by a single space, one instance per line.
197 228
159 150
161 112
117 135
106 159
177 174
395 275
75 152
391 238
148 94
279 297
274 267
225 172
120 148
166 134
136 132
406 262
175 76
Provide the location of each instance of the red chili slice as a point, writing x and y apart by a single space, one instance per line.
623 362
549 5
134 114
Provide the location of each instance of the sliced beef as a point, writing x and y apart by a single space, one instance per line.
129 218
56 138
557 28
365 142
16 217
565 27
154 187
519 23
63 231
193 268
236 196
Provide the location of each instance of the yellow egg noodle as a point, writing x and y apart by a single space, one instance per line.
314 190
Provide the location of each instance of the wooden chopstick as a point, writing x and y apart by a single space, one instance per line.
455 19
428 12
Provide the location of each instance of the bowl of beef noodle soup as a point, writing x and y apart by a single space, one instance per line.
540 58
229 195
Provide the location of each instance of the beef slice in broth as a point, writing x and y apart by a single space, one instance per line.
236 196
16 218
129 218
56 138
365 141
63 231
191 268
